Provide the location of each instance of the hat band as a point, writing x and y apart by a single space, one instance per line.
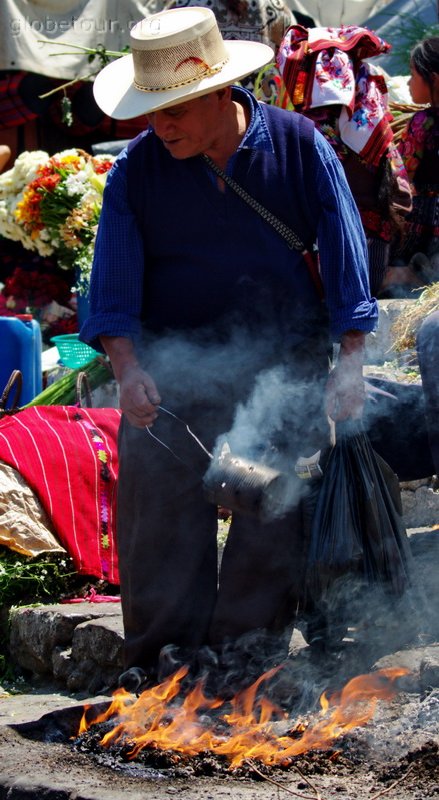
161 69
204 72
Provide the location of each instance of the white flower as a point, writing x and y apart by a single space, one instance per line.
69 152
23 172
65 227
75 183
12 185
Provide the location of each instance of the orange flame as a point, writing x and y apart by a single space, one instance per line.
246 731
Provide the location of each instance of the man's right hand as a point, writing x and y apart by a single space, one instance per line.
139 398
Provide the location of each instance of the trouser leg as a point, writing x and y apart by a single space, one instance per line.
167 529
261 576
166 545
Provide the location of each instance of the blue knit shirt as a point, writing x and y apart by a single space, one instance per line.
184 253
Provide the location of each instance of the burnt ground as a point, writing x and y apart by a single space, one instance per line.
396 755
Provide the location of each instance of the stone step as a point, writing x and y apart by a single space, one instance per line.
79 645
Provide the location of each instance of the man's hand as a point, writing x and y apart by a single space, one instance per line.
345 391
139 398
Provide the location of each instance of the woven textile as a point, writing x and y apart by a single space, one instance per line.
324 67
68 456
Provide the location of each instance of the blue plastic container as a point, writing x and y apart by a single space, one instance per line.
20 348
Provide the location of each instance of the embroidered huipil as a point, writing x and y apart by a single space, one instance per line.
173 251
419 148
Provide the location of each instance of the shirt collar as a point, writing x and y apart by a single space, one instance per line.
257 135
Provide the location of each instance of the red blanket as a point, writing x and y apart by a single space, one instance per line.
68 456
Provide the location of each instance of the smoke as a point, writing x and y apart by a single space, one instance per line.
274 402
203 367
249 399
270 422
227 669
253 469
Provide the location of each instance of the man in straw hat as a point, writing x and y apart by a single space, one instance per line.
206 308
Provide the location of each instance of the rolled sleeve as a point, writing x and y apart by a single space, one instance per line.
342 248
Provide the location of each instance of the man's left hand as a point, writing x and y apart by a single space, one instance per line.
345 390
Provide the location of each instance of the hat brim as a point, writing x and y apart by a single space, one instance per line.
117 96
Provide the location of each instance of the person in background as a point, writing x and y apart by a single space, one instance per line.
419 148
427 344
329 81
210 318
5 154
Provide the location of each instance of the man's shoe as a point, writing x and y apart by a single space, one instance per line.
134 680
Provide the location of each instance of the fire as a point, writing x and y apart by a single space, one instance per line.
244 728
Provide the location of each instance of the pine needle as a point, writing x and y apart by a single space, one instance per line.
405 327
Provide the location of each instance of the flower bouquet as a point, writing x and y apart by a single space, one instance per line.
29 290
44 291
52 206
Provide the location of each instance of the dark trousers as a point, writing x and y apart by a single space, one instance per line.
166 543
167 546
171 589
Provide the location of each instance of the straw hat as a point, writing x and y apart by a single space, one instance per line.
176 55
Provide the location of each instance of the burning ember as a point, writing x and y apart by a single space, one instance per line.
164 718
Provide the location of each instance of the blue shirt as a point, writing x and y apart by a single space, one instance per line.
192 252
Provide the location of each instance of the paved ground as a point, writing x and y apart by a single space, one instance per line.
28 703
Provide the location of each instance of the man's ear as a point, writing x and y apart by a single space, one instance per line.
224 96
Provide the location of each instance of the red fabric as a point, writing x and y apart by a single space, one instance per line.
324 67
13 111
68 456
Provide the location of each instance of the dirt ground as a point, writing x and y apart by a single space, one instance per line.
395 755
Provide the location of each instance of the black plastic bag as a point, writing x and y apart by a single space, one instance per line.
357 528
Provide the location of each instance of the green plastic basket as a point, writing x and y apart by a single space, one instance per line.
72 352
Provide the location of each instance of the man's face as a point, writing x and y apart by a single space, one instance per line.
190 128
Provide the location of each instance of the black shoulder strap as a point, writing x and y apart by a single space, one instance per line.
280 227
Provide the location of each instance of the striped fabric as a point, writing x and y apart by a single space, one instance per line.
68 456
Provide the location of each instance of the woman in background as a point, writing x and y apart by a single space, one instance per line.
328 79
419 148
